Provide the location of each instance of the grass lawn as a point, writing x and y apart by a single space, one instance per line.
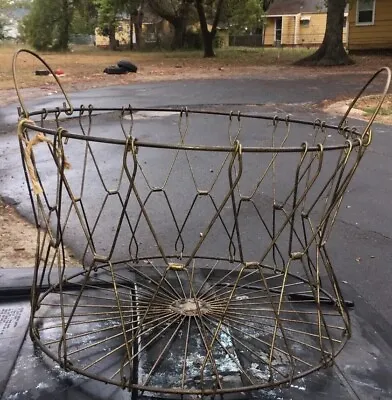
88 62
369 104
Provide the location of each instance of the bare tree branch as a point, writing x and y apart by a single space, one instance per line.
161 8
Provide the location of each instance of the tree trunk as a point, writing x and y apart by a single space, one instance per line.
130 32
331 52
138 36
208 37
208 41
112 38
206 34
65 22
138 28
179 25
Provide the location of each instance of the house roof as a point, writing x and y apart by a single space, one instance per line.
284 7
148 16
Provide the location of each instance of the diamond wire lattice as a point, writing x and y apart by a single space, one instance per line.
202 260
165 302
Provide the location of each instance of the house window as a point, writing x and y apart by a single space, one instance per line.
305 21
278 30
365 12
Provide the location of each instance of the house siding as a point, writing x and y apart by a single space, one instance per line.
123 32
122 35
311 35
288 30
269 35
314 33
377 36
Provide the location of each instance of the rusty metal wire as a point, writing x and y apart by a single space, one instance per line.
201 267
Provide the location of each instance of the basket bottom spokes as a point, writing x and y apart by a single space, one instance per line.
196 331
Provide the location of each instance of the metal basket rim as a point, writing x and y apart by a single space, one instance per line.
351 136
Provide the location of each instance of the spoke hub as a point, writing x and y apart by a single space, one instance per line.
190 307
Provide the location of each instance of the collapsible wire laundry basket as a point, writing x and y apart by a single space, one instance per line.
185 251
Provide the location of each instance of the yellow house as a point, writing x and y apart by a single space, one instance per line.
297 23
122 35
370 24
152 27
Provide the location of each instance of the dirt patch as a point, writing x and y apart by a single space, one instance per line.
46 86
72 82
340 108
363 109
84 68
18 239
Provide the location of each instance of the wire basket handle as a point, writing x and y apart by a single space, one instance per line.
67 104
379 104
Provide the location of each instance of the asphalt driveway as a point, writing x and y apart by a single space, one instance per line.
361 244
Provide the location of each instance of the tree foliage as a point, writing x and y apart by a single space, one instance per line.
3 27
238 14
47 26
85 17
244 16
50 23
6 8
108 13
107 19
178 13
3 18
39 23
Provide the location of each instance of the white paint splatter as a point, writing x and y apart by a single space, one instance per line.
242 298
303 388
14 396
257 373
42 385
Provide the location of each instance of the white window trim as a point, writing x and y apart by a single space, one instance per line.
345 26
366 23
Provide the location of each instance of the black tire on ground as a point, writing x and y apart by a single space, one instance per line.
127 65
115 70
42 72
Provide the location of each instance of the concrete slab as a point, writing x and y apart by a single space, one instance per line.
14 318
